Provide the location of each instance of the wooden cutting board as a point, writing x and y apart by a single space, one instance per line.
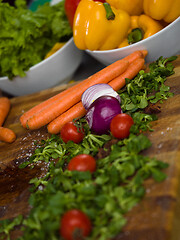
156 217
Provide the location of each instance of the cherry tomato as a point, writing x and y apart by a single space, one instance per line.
69 132
75 225
70 9
120 125
82 162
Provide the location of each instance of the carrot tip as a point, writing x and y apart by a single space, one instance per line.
144 52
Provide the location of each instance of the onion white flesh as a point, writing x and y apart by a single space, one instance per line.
96 91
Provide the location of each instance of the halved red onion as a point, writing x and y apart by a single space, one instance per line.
96 91
101 112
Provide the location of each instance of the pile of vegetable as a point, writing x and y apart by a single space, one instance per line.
110 24
67 105
26 36
94 180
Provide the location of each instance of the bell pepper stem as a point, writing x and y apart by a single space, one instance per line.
109 12
135 35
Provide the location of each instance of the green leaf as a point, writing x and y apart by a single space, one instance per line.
158 175
139 143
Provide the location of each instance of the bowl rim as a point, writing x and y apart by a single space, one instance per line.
135 44
63 48
53 55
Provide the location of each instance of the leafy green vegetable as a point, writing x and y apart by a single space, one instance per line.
147 87
55 148
26 36
6 226
118 182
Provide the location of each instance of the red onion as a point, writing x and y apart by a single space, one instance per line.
101 112
96 91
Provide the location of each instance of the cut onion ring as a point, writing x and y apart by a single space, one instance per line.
96 91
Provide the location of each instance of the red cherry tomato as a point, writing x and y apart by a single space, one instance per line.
69 132
75 225
70 9
82 162
120 125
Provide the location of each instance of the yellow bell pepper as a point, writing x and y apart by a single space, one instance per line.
146 27
167 10
94 31
134 7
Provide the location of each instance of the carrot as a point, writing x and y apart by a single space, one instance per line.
7 135
75 112
72 95
24 118
130 73
135 55
4 109
78 111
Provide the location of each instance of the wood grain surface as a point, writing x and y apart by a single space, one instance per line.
156 217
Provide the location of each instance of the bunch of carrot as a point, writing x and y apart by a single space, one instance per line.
67 105
6 134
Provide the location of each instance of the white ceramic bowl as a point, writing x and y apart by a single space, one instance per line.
56 69
164 43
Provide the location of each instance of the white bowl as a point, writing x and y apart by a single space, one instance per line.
56 69
164 43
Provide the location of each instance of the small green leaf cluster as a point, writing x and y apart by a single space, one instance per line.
26 36
7 225
55 148
147 86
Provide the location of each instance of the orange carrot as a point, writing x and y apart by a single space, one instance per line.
135 55
75 112
7 135
24 118
4 109
78 111
72 95
130 73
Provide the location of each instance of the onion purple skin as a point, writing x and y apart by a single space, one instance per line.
101 112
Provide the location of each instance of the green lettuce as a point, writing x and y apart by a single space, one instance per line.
26 36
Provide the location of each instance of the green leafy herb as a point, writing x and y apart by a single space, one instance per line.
6 226
147 87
